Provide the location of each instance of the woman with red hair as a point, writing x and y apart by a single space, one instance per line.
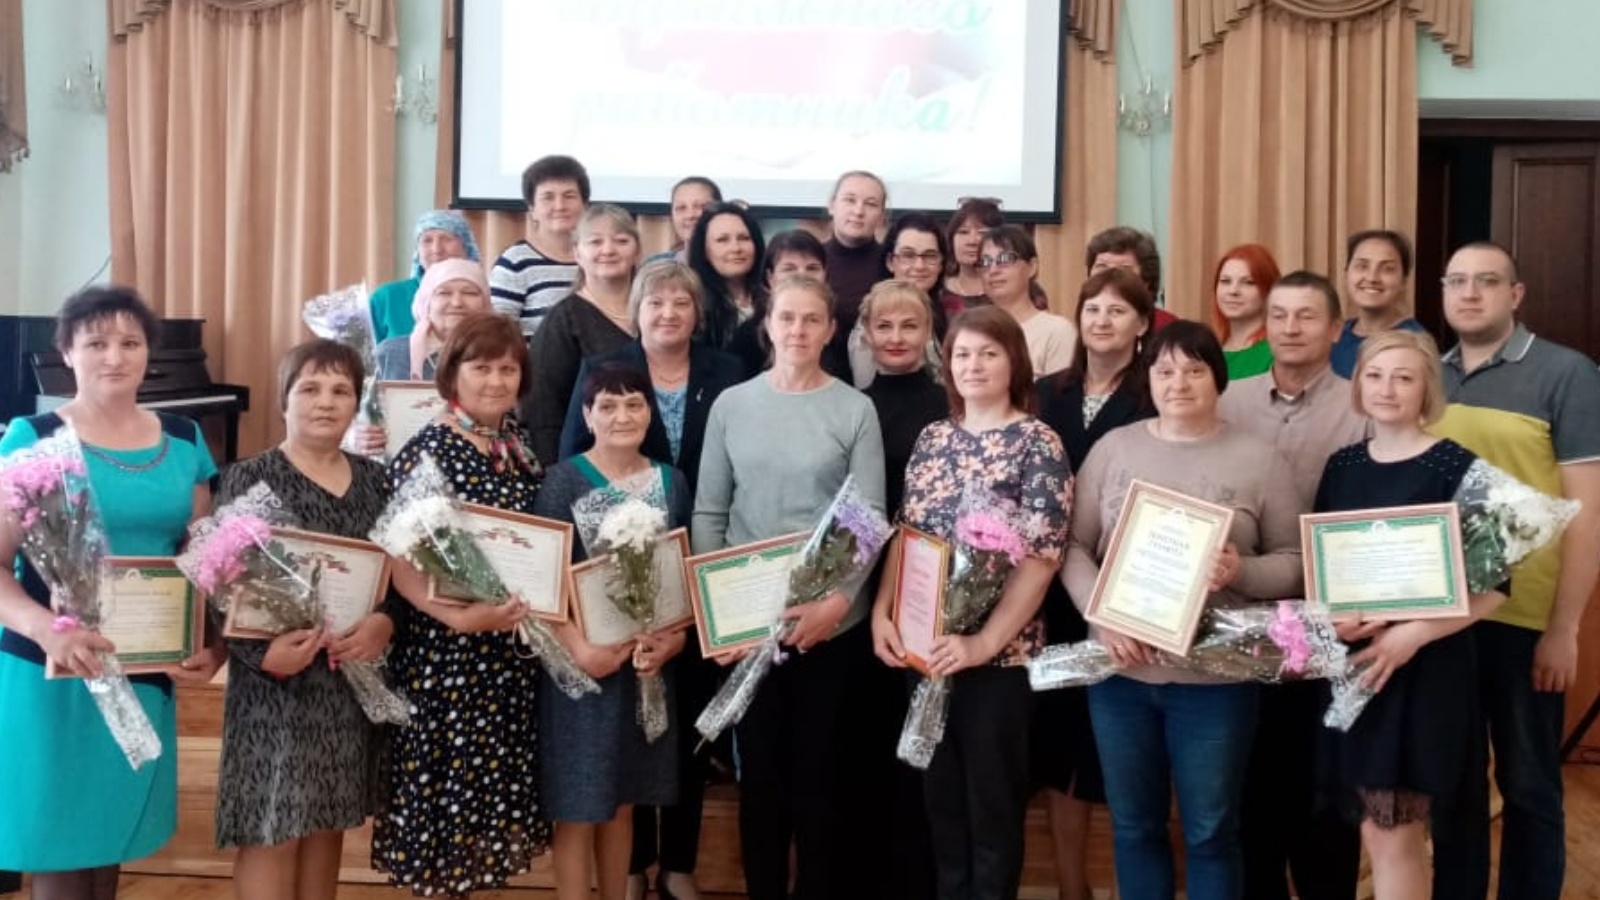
1244 277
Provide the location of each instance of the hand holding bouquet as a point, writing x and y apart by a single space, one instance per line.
836 559
46 493
423 525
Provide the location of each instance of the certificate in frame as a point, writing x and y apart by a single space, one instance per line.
352 578
1152 582
151 612
531 554
739 593
920 579
1391 563
599 619
407 406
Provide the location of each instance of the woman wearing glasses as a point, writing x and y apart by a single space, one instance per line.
913 252
1010 264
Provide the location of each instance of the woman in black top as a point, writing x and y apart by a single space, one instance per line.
1102 389
725 250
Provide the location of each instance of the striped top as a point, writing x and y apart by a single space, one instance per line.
524 283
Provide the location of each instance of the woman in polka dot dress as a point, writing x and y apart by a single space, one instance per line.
463 811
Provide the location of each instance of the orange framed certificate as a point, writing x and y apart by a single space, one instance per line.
920 580
603 624
350 576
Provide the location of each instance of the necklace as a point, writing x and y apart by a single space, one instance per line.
103 456
659 375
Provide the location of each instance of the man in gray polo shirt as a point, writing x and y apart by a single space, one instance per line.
1305 410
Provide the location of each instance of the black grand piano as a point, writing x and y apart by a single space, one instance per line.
35 379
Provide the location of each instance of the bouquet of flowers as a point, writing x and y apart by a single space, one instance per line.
987 547
836 558
232 554
46 493
423 525
1502 521
346 316
628 526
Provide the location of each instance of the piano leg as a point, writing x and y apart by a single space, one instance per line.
230 441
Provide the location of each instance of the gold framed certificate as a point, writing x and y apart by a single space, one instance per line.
918 611
150 611
1152 583
1397 562
351 577
605 625
531 555
739 593
407 406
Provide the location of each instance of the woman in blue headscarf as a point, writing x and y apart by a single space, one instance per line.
440 234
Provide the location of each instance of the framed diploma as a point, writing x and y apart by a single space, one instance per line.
918 611
531 555
1152 583
407 406
151 612
606 625
350 576
1398 562
738 594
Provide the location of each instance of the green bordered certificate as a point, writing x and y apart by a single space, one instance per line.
739 592
1399 562
151 612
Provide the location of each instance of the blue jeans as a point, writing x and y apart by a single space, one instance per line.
1157 737
1525 726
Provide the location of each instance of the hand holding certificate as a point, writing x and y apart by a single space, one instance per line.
1394 563
150 612
1153 580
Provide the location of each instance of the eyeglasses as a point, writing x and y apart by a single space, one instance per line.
908 256
1485 281
998 262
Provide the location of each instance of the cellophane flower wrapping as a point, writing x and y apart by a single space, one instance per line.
626 522
1271 643
1502 521
837 558
232 554
423 524
46 492
345 316
988 545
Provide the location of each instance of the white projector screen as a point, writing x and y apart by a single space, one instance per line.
772 99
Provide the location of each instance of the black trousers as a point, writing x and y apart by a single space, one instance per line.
670 835
788 750
978 785
1284 831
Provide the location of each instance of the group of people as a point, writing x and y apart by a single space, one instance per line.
737 382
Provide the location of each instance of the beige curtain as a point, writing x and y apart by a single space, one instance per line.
1089 189
13 87
1293 126
1089 149
252 167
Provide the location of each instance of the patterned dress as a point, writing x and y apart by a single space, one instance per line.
463 811
298 754
1021 463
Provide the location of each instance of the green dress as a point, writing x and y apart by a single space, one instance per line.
70 799
1253 360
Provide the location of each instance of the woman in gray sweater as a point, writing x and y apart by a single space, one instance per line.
777 449
1155 725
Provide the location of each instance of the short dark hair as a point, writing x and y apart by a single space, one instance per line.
913 221
797 241
1303 278
1193 340
1491 245
1395 239
319 355
486 335
94 305
554 168
1001 327
614 378
1124 239
701 180
986 213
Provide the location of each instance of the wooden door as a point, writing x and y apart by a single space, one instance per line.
1546 208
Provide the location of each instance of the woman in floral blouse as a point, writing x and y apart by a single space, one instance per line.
992 449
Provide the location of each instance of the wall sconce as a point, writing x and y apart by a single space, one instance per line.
1145 111
420 102
84 87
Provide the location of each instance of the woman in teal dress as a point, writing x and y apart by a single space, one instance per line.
440 234
74 809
